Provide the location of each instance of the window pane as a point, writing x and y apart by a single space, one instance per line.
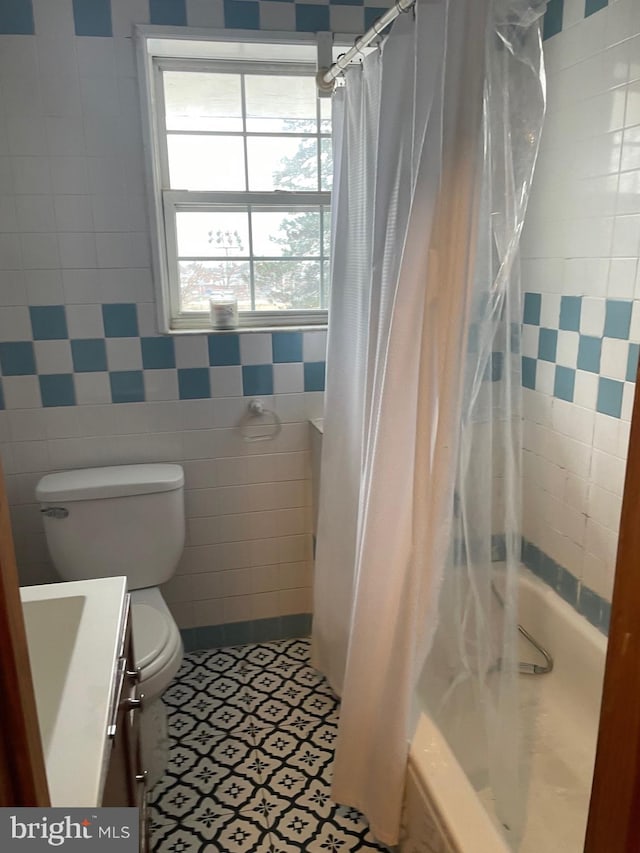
287 285
277 104
202 101
202 280
292 233
326 231
279 163
213 235
326 272
206 162
326 164
325 115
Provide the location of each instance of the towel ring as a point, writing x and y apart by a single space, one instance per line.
256 410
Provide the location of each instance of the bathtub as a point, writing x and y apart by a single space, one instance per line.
442 811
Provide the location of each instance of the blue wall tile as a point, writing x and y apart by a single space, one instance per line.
617 322
529 366
241 15
92 17
591 6
570 309
224 350
532 308
589 352
127 386
605 616
590 605
57 389
193 383
120 320
2 404
568 587
531 556
311 18
632 362
17 358
257 379
371 14
564 383
314 375
16 17
158 353
89 355
49 322
496 366
609 397
168 12
287 346
549 570
548 344
552 24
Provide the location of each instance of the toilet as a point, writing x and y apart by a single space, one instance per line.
126 520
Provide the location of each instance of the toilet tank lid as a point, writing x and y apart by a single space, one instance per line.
115 481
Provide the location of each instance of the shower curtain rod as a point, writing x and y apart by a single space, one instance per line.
325 78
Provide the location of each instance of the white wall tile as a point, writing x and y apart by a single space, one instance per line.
592 316
124 354
613 360
622 278
92 388
567 349
44 287
15 324
161 384
77 251
226 381
288 378
53 356
21 392
256 349
73 213
191 351
53 17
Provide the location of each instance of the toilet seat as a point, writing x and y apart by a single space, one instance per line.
157 645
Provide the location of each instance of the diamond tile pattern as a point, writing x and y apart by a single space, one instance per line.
252 730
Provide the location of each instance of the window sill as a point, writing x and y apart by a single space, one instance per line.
241 330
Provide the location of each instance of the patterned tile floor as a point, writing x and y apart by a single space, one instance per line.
251 750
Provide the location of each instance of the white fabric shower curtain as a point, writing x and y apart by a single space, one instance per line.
408 149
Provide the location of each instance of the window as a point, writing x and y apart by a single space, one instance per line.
242 179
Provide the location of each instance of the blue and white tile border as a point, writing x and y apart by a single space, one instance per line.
97 18
593 607
581 349
101 357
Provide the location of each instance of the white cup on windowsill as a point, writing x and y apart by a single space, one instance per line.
223 312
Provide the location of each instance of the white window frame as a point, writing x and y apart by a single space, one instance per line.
159 47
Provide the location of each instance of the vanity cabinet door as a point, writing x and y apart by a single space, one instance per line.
125 781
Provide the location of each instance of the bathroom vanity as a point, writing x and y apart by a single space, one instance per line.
86 692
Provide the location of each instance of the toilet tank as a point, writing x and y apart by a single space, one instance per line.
123 520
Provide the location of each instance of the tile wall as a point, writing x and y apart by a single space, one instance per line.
582 299
85 378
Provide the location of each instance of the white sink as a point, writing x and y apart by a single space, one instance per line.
73 634
45 620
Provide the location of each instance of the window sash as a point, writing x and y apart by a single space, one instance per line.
174 201
185 201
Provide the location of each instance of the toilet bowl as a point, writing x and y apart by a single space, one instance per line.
126 520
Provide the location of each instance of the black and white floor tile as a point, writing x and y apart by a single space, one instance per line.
252 730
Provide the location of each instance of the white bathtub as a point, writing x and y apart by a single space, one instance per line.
444 814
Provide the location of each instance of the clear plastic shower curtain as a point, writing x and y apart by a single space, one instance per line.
435 146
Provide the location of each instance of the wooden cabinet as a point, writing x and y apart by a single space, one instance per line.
125 783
